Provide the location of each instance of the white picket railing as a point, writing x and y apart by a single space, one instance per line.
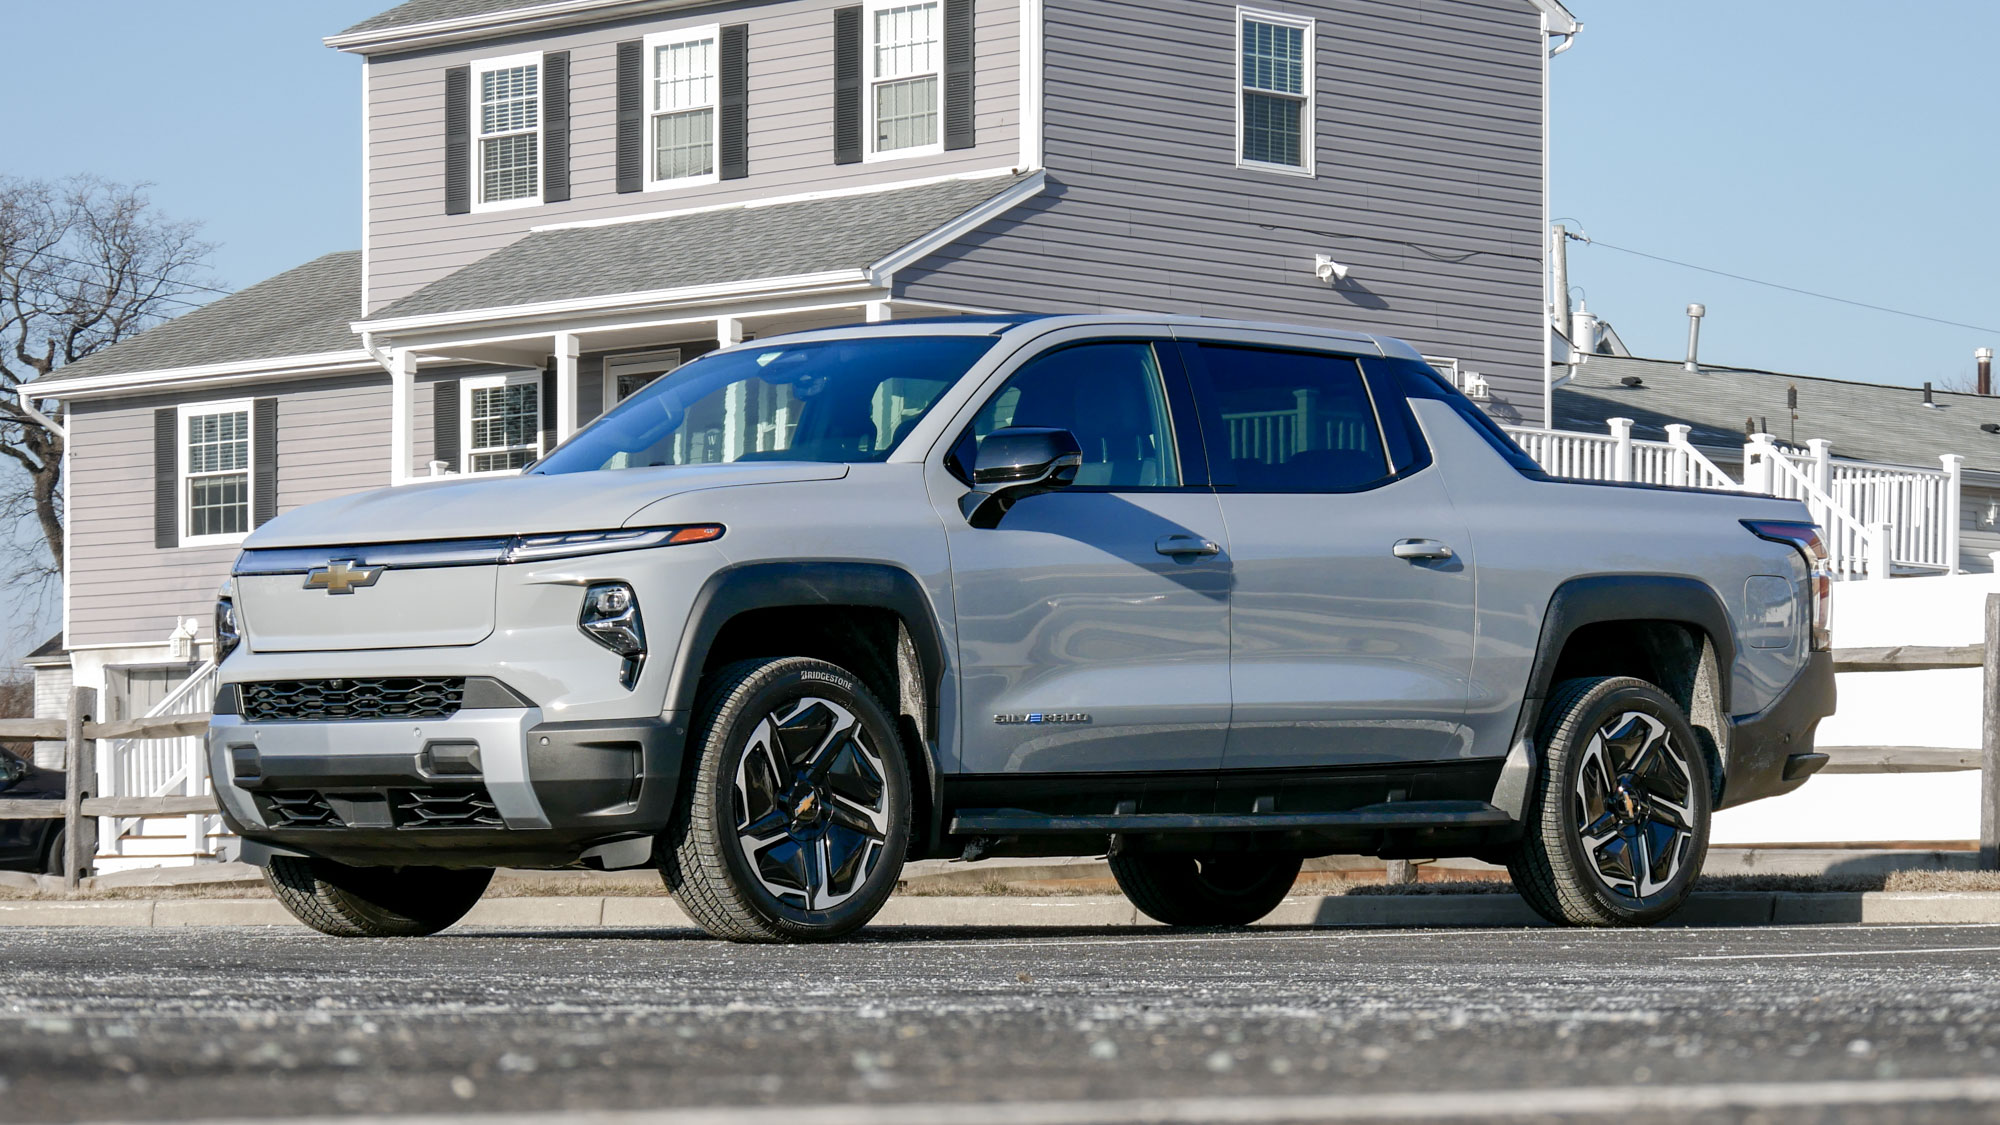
160 767
1618 456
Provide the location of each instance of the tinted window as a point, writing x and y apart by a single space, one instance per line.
1292 421
1109 395
1419 381
829 400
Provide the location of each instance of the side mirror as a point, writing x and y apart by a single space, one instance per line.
12 769
1016 463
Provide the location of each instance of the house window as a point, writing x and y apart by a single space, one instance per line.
625 375
905 52
503 422
509 120
215 472
1275 102
682 106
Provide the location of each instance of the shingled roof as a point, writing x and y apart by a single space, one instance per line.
699 248
428 11
1864 421
303 311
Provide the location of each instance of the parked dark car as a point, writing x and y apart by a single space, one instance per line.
30 845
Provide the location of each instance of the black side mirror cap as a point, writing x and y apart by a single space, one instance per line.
1016 463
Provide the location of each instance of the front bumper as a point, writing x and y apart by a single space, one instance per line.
1771 752
484 787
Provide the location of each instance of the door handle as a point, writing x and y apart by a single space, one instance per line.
1177 545
1421 549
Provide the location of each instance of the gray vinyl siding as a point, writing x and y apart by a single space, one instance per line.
333 439
411 242
1429 181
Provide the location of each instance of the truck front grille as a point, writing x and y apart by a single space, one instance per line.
444 808
303 808
396 697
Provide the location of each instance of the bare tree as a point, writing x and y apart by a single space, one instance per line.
84 263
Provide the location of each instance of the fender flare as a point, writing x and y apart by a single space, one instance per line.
744 587
1597 599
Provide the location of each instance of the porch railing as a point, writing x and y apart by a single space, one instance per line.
160 767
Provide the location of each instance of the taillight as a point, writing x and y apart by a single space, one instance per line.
1804 538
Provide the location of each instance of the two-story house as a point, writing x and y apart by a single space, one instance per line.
566 198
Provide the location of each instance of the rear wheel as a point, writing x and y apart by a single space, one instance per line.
52 858
344 901
1233 889
1617 820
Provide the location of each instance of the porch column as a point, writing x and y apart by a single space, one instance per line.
875 312
728 330
402 384
1953 515
568 347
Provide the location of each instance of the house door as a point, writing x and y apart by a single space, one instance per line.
133 690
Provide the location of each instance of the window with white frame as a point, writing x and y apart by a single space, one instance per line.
507 116
502 422
625 375
905 54
681 106
215 471
1274 96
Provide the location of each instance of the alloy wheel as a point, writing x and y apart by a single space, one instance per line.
811 804
1635 810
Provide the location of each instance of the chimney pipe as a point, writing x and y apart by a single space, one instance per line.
1695 313
1928 401
1985 358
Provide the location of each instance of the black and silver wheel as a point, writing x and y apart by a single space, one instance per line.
796 820
1233 889
344 901
1617 823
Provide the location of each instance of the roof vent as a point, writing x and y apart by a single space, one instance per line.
1631 381
1990 427
1928 400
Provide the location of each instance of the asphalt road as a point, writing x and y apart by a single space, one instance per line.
1777 1025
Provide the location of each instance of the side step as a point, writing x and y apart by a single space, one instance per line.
1395 814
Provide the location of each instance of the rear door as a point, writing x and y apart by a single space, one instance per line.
1352 604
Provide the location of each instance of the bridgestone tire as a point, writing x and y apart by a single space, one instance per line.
795 819
345 901
1234 889
1632 859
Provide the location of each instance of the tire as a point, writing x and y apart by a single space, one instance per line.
52 856
1234 889
1618 817
795 821
344 901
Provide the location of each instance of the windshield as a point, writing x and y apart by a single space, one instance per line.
830 400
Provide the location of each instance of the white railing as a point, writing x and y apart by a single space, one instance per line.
1618 456
160 767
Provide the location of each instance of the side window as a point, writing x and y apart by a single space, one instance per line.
1292 421
1110 395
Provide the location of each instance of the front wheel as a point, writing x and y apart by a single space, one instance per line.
1618 818
1234 889
344 901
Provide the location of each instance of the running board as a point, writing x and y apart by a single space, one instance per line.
1395 814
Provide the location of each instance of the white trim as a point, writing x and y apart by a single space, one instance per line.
490 25
870 79
883 271
280 367
475 101
779 200
640 320
68 570
1309 79
367 186
481 382
186 410
650 79
1556 19
1030 70
642 360
764 286
1548 292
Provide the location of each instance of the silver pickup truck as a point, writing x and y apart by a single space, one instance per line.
1209 598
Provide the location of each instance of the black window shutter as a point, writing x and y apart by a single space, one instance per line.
166 477
264 473
631 116
555 126
847 85
549 408
957 74
458 140
733 136
444 423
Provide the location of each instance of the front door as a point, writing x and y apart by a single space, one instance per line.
1093 622
1353 606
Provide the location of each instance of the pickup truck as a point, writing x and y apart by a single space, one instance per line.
1208 598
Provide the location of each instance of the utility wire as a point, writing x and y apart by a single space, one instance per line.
40 288
1787 288
135 273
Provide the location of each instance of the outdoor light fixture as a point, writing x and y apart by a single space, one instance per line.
611 618
1328 270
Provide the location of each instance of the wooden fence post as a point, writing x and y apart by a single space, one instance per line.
1989 744
80 774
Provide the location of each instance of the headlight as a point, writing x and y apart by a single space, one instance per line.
611 618
227 634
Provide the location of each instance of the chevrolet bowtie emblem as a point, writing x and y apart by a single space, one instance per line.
341 576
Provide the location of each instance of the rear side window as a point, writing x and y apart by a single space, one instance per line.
1289 421
1419 381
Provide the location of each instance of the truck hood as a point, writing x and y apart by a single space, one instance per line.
457 508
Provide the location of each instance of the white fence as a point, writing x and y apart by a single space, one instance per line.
159 767
1875 518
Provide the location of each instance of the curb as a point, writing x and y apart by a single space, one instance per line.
1416 911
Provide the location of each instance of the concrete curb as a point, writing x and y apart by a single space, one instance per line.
1417 911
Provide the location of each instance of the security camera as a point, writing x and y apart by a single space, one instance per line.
1328 270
